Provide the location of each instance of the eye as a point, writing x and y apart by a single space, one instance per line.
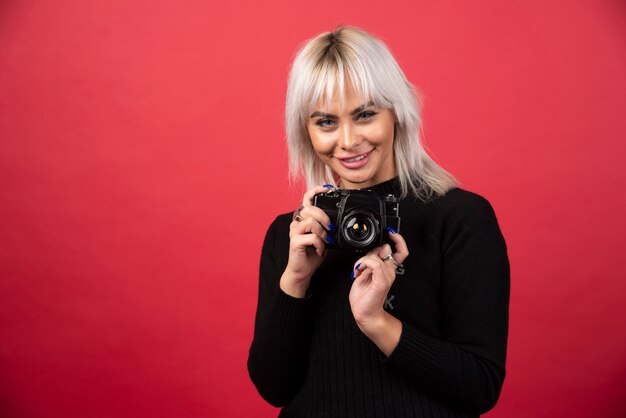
365 115
325 123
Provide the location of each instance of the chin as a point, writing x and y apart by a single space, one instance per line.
358 178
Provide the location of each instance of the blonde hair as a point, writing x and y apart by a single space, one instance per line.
321 66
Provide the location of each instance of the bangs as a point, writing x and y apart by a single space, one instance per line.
329 77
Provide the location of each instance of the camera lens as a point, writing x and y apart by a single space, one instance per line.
359 229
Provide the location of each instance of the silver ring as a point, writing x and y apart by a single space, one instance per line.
390 257
296 214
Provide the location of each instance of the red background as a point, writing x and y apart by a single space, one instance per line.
142 158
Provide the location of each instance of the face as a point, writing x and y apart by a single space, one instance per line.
354 139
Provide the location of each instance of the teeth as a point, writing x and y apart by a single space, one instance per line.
351 160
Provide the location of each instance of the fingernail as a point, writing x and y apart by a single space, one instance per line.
357 266
352 275
329 239
390 229
331 227
329 186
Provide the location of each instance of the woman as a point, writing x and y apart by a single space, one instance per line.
417 330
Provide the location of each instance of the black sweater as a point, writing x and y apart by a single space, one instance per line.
452 297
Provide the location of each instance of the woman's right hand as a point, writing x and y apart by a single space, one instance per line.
307 245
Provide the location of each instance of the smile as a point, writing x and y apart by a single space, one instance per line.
355 162
360 157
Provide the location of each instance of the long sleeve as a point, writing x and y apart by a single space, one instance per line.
278 357
451 296
466 366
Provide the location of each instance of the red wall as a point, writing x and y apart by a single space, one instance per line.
142 159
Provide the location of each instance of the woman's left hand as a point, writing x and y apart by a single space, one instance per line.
373 278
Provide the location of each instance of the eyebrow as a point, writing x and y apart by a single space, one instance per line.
329 115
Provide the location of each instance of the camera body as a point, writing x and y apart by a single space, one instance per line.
361 217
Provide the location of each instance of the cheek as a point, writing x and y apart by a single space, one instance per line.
324 145
380 135
385 133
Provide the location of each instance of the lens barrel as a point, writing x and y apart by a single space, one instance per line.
359 228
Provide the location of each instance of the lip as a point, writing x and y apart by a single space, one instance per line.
355 164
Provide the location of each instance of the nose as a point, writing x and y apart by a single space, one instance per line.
349 138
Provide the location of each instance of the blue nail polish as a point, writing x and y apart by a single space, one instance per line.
390 229
331 227
329 186
357 266
329 239
352 275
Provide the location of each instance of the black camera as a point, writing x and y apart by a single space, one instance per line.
361 217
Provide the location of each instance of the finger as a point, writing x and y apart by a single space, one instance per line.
307 199
302 242
402 251
309 226
381 251
319 215
370 261
384 253
381 279
362 276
